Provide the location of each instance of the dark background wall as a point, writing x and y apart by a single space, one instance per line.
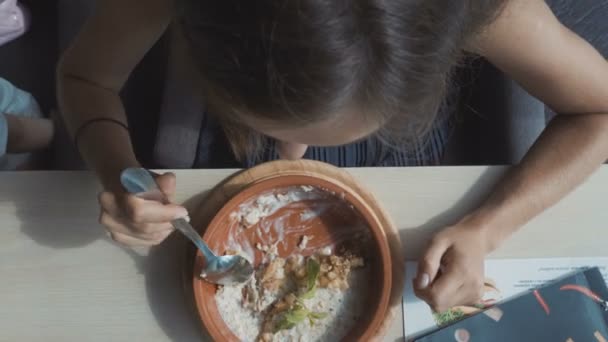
29 62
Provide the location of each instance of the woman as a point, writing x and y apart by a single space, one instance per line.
280 76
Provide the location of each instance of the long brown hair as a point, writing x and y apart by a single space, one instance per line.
301 61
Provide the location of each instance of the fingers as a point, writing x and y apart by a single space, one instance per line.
109 204
131 241
445 292
166 183
151 232
451 270
452 288
136 221
428 266
140 211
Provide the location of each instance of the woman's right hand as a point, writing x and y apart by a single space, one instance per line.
134 221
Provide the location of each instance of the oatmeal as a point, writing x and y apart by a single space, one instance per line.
310 299
315 294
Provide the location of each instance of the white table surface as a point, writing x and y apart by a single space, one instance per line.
61 279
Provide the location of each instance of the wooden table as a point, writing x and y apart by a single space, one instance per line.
61 279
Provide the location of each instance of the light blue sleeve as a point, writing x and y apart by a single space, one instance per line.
3 134
16 101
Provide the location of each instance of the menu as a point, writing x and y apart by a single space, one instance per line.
506 278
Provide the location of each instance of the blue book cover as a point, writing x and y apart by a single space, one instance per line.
570 309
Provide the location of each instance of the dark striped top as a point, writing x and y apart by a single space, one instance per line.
214 151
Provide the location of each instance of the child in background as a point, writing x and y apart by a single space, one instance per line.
22 127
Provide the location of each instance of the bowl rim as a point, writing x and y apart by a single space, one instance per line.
351 196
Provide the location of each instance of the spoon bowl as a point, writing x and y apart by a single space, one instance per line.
222 270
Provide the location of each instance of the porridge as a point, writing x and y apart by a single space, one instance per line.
315 298
314 294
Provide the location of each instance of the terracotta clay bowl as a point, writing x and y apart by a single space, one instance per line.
331 212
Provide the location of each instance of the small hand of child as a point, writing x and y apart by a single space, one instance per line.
451 272
135 221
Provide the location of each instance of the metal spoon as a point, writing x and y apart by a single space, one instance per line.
223 270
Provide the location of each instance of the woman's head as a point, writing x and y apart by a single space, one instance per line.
327 72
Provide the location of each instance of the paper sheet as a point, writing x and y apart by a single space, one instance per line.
511 276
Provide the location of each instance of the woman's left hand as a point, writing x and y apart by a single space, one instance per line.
451 272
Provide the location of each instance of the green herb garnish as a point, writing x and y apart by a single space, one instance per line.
317 315
312 274
299 312
448 317
283 325
296 316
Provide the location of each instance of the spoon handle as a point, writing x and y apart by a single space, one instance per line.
186 229
140 181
